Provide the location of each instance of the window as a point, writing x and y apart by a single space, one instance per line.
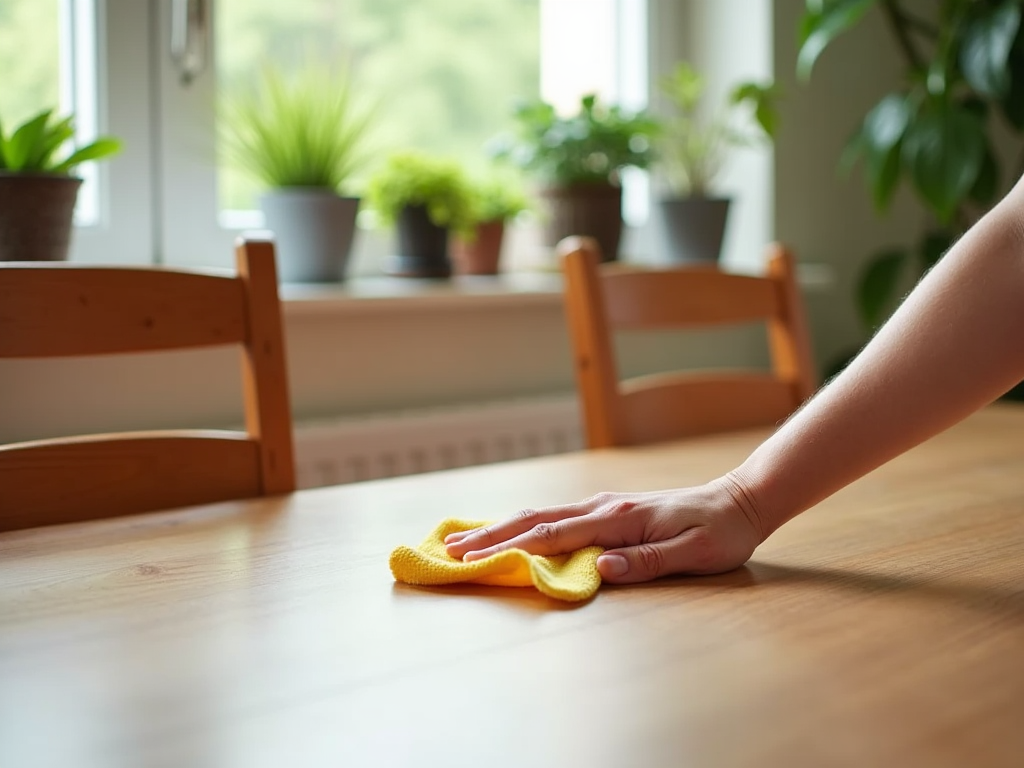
446 72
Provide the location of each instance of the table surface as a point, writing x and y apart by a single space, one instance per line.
884 627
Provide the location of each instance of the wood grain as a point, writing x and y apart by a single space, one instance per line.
603 299
884 627
46 482
264 368
59 309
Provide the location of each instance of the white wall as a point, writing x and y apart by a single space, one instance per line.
343 361
828 219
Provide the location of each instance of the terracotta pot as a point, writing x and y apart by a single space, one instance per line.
422 246
36 212
479 256
594 210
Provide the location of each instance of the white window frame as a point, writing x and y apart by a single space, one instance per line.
159 197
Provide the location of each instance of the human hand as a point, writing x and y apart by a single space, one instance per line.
707 529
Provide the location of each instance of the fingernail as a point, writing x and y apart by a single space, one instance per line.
613 565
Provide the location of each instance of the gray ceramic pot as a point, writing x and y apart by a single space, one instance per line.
694 228
313 232
36 212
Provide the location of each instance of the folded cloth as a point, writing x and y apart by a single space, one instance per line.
571 577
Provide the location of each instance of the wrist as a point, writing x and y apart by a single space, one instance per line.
752 492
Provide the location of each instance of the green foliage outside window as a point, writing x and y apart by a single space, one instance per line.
444 73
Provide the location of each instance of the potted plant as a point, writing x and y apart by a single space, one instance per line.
303 138
425 198
936 130
38 189
496 200
693 147
579 159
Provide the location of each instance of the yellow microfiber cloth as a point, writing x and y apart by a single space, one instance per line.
571 577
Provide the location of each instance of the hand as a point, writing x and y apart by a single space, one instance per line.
707 529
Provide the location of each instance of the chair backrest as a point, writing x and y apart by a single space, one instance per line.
65 309
602 299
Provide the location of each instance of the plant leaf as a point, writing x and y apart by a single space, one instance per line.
822 23
876 289
987 184
55 137
944 149
1012 101
25 142
880 137
104 146
985 51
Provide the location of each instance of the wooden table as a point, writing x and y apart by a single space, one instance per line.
884 628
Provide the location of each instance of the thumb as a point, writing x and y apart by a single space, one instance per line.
629 565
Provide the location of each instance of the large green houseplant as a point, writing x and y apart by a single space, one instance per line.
424 198
693 147
303 138
579 159
963 75
38 188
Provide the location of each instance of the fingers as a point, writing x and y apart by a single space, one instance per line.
554 538
458 544
695 551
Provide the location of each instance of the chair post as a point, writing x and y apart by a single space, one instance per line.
265 375
593 357
788 333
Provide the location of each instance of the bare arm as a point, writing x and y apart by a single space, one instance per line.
954 345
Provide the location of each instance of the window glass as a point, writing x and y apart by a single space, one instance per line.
29 58
444 73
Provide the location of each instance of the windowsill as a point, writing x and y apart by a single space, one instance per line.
362 295
385 294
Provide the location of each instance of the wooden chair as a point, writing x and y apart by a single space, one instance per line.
601 299
62 309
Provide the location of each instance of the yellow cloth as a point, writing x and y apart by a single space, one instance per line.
571 577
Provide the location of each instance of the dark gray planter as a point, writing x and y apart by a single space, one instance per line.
313 232
422 246
694 228
36 212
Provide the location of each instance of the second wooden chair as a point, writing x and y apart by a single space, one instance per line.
603 299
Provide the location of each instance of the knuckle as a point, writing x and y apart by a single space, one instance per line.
620 508
651 560
546 532
524 515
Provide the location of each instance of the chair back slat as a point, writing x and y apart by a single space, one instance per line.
683 405
51 310
686 298
73 479
603 299
66 309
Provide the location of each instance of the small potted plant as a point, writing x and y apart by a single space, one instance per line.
579 159
38 188
496 200
693 147
424 198
303 138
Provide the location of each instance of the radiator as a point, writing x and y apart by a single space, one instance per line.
409 442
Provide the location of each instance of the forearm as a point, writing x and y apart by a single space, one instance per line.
955 344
